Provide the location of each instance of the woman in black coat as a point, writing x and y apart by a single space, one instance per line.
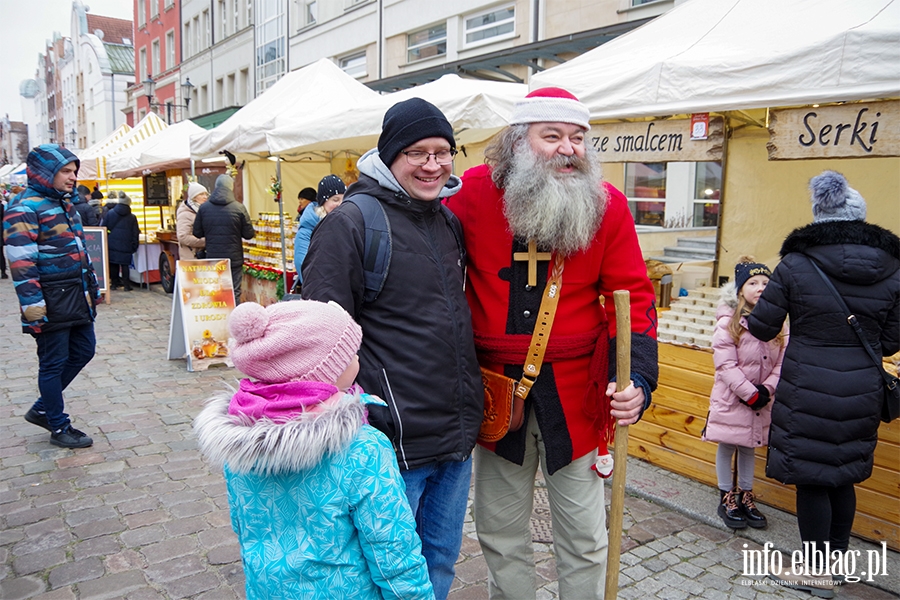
826 417
123 240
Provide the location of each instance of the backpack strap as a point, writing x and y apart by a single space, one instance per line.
377 244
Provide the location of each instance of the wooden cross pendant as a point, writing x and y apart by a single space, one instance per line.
532 256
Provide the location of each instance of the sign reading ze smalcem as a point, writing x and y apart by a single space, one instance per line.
655 141
847 131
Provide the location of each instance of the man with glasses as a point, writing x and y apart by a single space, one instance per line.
417 351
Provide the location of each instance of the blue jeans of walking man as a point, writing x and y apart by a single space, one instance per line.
61 356
438 495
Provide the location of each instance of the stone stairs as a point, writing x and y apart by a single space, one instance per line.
690 319
690 249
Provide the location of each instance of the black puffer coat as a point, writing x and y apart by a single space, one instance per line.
224 222
826 416
417 351
124 237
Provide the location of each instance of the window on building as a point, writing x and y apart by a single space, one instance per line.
645 187
198 45
170 4
485 27
141 13
170 50
427 43
352 3
188 40
311 12
155 50
236 25
707 190
222 29
207 42
154 9
142 66
270 43
354 65
639 2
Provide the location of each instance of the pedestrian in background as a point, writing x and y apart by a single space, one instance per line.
330 194
224 222
740 409
316 498
825 422
188 245
88 214
123 239
55 282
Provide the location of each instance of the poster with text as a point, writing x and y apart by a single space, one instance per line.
202 301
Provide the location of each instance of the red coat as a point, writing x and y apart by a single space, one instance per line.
502 305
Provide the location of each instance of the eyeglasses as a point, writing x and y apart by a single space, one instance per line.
419 158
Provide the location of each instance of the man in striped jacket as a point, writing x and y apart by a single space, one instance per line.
55 283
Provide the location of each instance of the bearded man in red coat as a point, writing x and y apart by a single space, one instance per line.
541 184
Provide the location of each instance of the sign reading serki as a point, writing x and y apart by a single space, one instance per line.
846 131
655 141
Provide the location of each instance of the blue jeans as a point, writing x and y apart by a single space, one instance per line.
61 356
438 494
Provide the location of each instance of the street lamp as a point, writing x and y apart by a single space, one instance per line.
73 134
150 87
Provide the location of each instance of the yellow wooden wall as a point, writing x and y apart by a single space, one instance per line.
669 436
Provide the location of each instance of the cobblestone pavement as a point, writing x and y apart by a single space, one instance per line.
140 516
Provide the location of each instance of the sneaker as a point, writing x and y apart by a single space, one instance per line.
730 511
755 519
36 418
69 437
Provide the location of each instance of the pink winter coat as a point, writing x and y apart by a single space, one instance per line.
738 369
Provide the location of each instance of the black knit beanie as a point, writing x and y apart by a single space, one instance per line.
407 122
307 193
330 185
747 268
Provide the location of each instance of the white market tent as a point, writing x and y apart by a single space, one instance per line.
476 108
302 94
721 55
169 147
13 174
94 159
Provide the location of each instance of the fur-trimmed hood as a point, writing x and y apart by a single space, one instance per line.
269 447
853 251
728 299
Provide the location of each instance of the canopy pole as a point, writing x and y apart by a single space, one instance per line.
280 199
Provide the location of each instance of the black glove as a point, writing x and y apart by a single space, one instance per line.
759 399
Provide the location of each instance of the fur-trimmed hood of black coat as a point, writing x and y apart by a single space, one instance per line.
842 247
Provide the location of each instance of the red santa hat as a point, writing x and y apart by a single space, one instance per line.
551 105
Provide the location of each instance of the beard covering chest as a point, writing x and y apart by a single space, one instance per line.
591 225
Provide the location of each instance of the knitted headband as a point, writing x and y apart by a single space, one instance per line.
551 105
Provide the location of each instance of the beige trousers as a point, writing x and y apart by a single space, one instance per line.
504 495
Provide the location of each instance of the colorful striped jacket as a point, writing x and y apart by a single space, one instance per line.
45 248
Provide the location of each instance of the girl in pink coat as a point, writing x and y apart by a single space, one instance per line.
747 372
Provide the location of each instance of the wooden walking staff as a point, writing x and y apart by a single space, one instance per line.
622 299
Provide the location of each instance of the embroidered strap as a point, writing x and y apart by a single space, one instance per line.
541 334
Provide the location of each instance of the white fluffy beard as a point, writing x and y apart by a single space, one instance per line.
559 211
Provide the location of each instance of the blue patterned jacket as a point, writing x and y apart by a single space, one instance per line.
317 503
50 268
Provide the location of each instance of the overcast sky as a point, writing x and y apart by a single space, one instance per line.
27 25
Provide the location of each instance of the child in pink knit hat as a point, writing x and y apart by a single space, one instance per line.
316 498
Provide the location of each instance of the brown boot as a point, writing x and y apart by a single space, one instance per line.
754 518
730 510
